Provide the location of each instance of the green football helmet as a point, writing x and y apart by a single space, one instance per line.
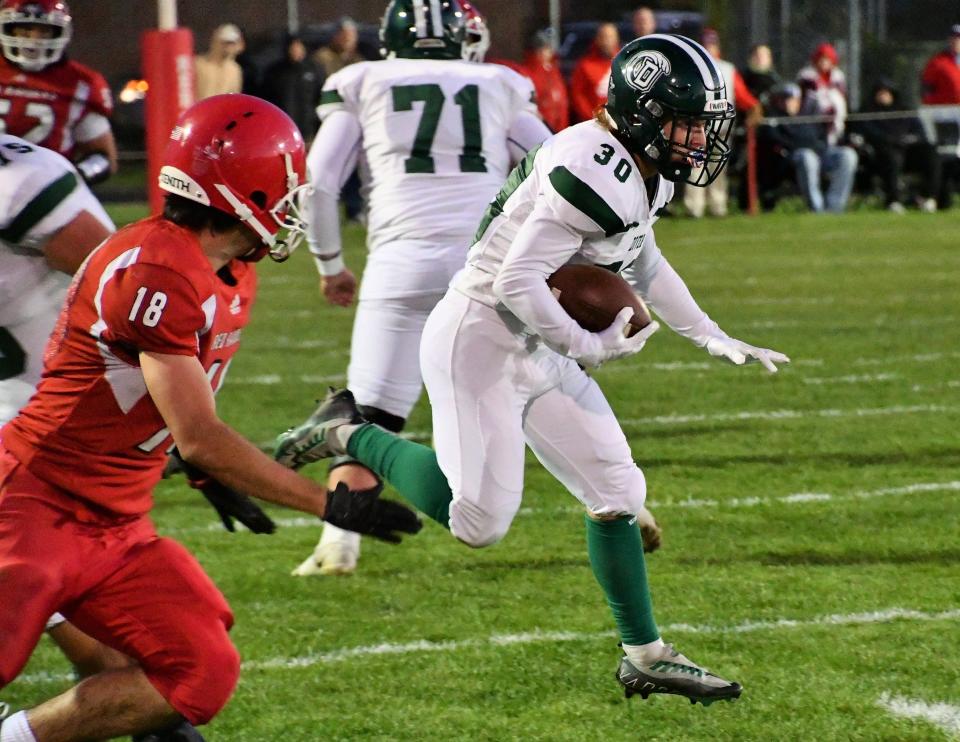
668 103
424 29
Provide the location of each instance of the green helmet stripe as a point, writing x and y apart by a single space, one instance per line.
582 197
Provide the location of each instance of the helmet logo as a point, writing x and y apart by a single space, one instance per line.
643 71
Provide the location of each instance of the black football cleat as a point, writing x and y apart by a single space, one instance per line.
312 440
674 674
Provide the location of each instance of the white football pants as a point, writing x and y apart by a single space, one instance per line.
494 389
402 283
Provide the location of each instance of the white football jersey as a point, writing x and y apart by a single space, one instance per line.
40 193
591 184
435 148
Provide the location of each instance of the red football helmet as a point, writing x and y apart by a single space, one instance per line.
244 156
30 49
476 41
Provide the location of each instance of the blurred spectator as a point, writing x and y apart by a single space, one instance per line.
716 194
893 143
588 84
342 49
644 22
250 72
294 84
217 70
941 76
760 76
825 89
48 98
540 65
806 147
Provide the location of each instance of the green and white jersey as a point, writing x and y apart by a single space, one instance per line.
40 193
586 181
435 142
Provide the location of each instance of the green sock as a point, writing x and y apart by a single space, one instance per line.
410 468
616 555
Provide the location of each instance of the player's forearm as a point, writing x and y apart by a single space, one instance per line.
323 235
539 249
668 296
231 459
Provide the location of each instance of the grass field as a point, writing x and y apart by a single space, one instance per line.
812 524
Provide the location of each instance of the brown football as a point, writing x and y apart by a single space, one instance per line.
592 296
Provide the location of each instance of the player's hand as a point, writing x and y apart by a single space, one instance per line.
740 353
364 512
230 504
612 343
340 289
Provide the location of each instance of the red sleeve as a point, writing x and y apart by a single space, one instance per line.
101 99
930 82
745 100
151 308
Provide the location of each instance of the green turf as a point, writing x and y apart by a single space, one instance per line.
866 304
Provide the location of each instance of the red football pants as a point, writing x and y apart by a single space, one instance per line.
119 582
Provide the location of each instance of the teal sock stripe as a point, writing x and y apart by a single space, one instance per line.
409 467
616 556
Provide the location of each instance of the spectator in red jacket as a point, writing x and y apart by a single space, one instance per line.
941 76
540 65
588 84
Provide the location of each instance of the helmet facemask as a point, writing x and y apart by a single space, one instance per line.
30 53
682 159
287 228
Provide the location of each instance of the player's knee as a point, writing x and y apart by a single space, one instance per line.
212 683
198 680
477 527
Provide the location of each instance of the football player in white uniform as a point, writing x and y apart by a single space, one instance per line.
49 222
435 133
500 357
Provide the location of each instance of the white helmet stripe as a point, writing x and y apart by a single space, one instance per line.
420 18
437 18
712 79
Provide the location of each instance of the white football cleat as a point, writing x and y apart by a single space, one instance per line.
336 553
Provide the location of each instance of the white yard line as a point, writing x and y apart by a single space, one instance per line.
538 636
944 716
848 379
276 379
541 637
796 498
786 414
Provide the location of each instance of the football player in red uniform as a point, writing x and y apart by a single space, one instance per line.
147 331
49 99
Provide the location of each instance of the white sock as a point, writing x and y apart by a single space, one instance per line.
341 435
16 729
644 654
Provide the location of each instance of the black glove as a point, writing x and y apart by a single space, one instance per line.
228 503
364 512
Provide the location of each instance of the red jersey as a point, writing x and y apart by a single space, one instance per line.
55 107
91 428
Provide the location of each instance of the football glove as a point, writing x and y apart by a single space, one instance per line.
364 512
228 503
739 353
612 343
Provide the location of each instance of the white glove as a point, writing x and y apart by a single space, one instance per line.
739 353
593 348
